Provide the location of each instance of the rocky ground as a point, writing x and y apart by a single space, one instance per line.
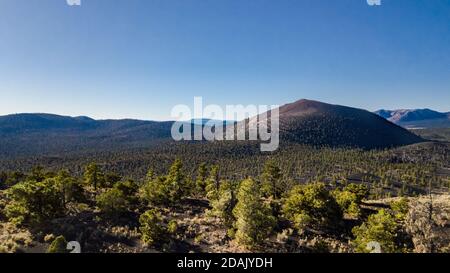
199 232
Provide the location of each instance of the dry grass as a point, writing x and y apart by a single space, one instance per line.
12 238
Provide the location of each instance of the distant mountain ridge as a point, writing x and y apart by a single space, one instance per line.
204 121
305 121
416 118
30 134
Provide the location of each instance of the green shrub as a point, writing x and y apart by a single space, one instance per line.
151 227
312 205
380 228
155 192
14 178
166 190
172 227
350 199
129 189
400 208
113 202
360 190
34 202
59 245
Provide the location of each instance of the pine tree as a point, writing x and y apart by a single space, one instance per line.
152 230
312 204
213 184
113 202
271 180
223 207
34 202
176 182
350 198
166 190
200 180
254 221
380 228
94 176
71 188
155 192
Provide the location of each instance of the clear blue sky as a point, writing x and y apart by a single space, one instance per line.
139 58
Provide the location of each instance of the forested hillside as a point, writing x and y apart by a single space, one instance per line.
173 211
339 175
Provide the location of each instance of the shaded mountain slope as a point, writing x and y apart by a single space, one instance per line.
317 123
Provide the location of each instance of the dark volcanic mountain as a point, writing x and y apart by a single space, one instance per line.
416 118
317 123
308 122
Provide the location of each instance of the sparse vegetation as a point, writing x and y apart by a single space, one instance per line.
210 207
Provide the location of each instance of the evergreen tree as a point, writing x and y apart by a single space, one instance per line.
360 190
167 190
37 174
152 230
71 189
380 228
113 202
223 206
94 176
34 202
176 182
350 198
150 175
200 180
128 187
213 184
155 191
312 204
254 221
400 208
14 178
271 180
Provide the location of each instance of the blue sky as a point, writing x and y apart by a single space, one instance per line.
139 58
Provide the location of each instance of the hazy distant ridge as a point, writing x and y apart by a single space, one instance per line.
417 118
